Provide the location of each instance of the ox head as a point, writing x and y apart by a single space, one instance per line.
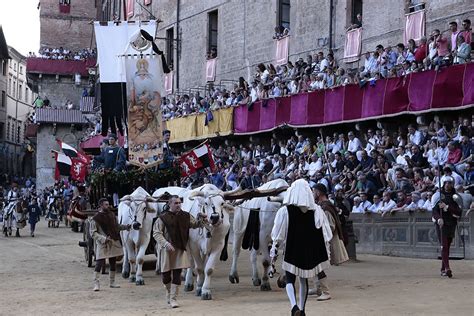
213 205
139 203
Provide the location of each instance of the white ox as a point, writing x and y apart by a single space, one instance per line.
266 216
206 244
137 209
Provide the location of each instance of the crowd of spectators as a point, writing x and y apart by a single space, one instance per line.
376 171
64 54
321 71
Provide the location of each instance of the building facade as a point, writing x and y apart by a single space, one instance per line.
19 99
66 23
242 31
4 57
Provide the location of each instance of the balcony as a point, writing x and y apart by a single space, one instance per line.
59 67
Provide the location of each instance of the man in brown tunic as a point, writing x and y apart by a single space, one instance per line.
105 231
171 232
338 253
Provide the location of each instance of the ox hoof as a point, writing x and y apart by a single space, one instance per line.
265 287
198 292
206 296
140 282
125 274
132 279
157 272
257 282
188 287
234 278
281 282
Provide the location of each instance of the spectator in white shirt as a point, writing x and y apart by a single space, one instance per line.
377 206
427 206
354 144
370 64
416 202
414 136
387 203
363 206
315 165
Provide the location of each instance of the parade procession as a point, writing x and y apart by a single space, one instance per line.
191 157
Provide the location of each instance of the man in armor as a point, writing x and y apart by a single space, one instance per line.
446 212
13 196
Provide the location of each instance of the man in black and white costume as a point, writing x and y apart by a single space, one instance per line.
301 227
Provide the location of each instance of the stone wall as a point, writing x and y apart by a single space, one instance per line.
409 235
46 141
58 91
72 30
245 30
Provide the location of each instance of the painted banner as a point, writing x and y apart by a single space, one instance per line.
353 45
144 83
211 69
450 89
414 26
281 50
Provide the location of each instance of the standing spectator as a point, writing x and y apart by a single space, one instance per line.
453 27
421 51
467 32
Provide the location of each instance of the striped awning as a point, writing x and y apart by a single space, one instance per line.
47 115
87 104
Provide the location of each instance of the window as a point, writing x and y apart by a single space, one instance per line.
27 95
65 6
4 99
414 5
10 85
18 132
14 89
284 14
170 46
2 132
212 33
21 70
356 9
4 67
8 128
20 91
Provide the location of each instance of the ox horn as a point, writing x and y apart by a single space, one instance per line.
126 198
195 194
276 199
229 193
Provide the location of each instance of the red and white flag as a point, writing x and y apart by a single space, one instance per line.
198 158
78 170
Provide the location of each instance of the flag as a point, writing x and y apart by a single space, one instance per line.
63 165
415 26
211 69
196 159
68 150
78 170
353 45
281 51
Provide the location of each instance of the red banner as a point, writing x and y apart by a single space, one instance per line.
449 88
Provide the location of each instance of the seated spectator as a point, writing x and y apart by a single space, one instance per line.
427 206
421 51
403 201
387 203
454 153
377 206
417 202
404 54
366 186
361 204
462 54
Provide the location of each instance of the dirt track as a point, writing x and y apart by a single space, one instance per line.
47 275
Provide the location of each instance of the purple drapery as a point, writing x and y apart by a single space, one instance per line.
59 67
450 88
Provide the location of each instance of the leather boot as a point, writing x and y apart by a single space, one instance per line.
112 280
168 290
324 289
96 281
174 296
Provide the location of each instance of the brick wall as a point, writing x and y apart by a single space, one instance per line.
67 30
58 92
246 30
